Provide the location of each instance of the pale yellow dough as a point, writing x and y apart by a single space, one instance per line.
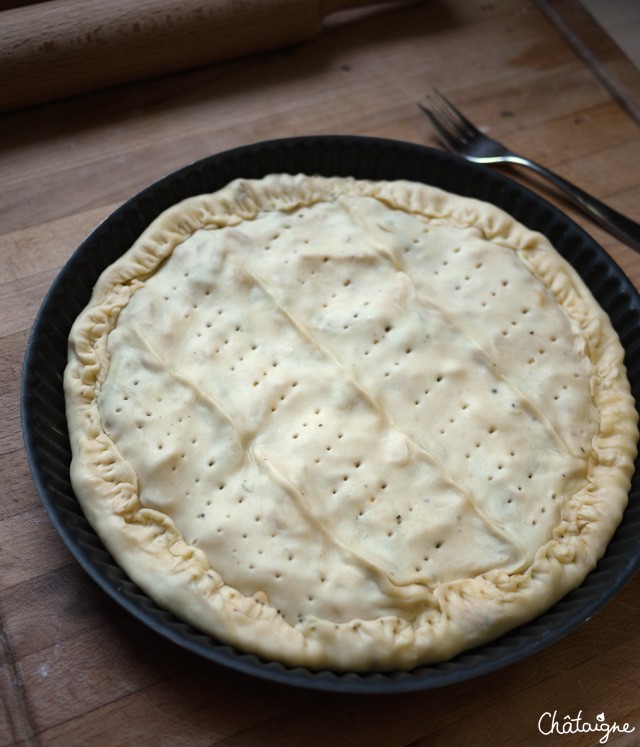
348 424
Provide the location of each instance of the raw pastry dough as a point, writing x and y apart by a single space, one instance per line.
348 424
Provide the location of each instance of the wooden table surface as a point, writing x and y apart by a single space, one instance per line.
75 669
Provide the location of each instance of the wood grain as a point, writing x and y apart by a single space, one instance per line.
77 670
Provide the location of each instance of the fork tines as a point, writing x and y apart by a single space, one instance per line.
449 123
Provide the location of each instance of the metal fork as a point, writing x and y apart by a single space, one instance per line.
464 138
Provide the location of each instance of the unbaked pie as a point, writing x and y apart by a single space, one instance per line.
348 424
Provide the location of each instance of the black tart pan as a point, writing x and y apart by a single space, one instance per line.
43 409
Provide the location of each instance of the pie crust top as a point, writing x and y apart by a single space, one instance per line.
348 424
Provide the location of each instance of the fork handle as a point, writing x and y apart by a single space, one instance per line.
617 224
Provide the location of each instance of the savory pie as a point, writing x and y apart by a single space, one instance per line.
348 424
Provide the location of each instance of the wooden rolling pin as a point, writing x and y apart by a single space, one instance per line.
64 47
